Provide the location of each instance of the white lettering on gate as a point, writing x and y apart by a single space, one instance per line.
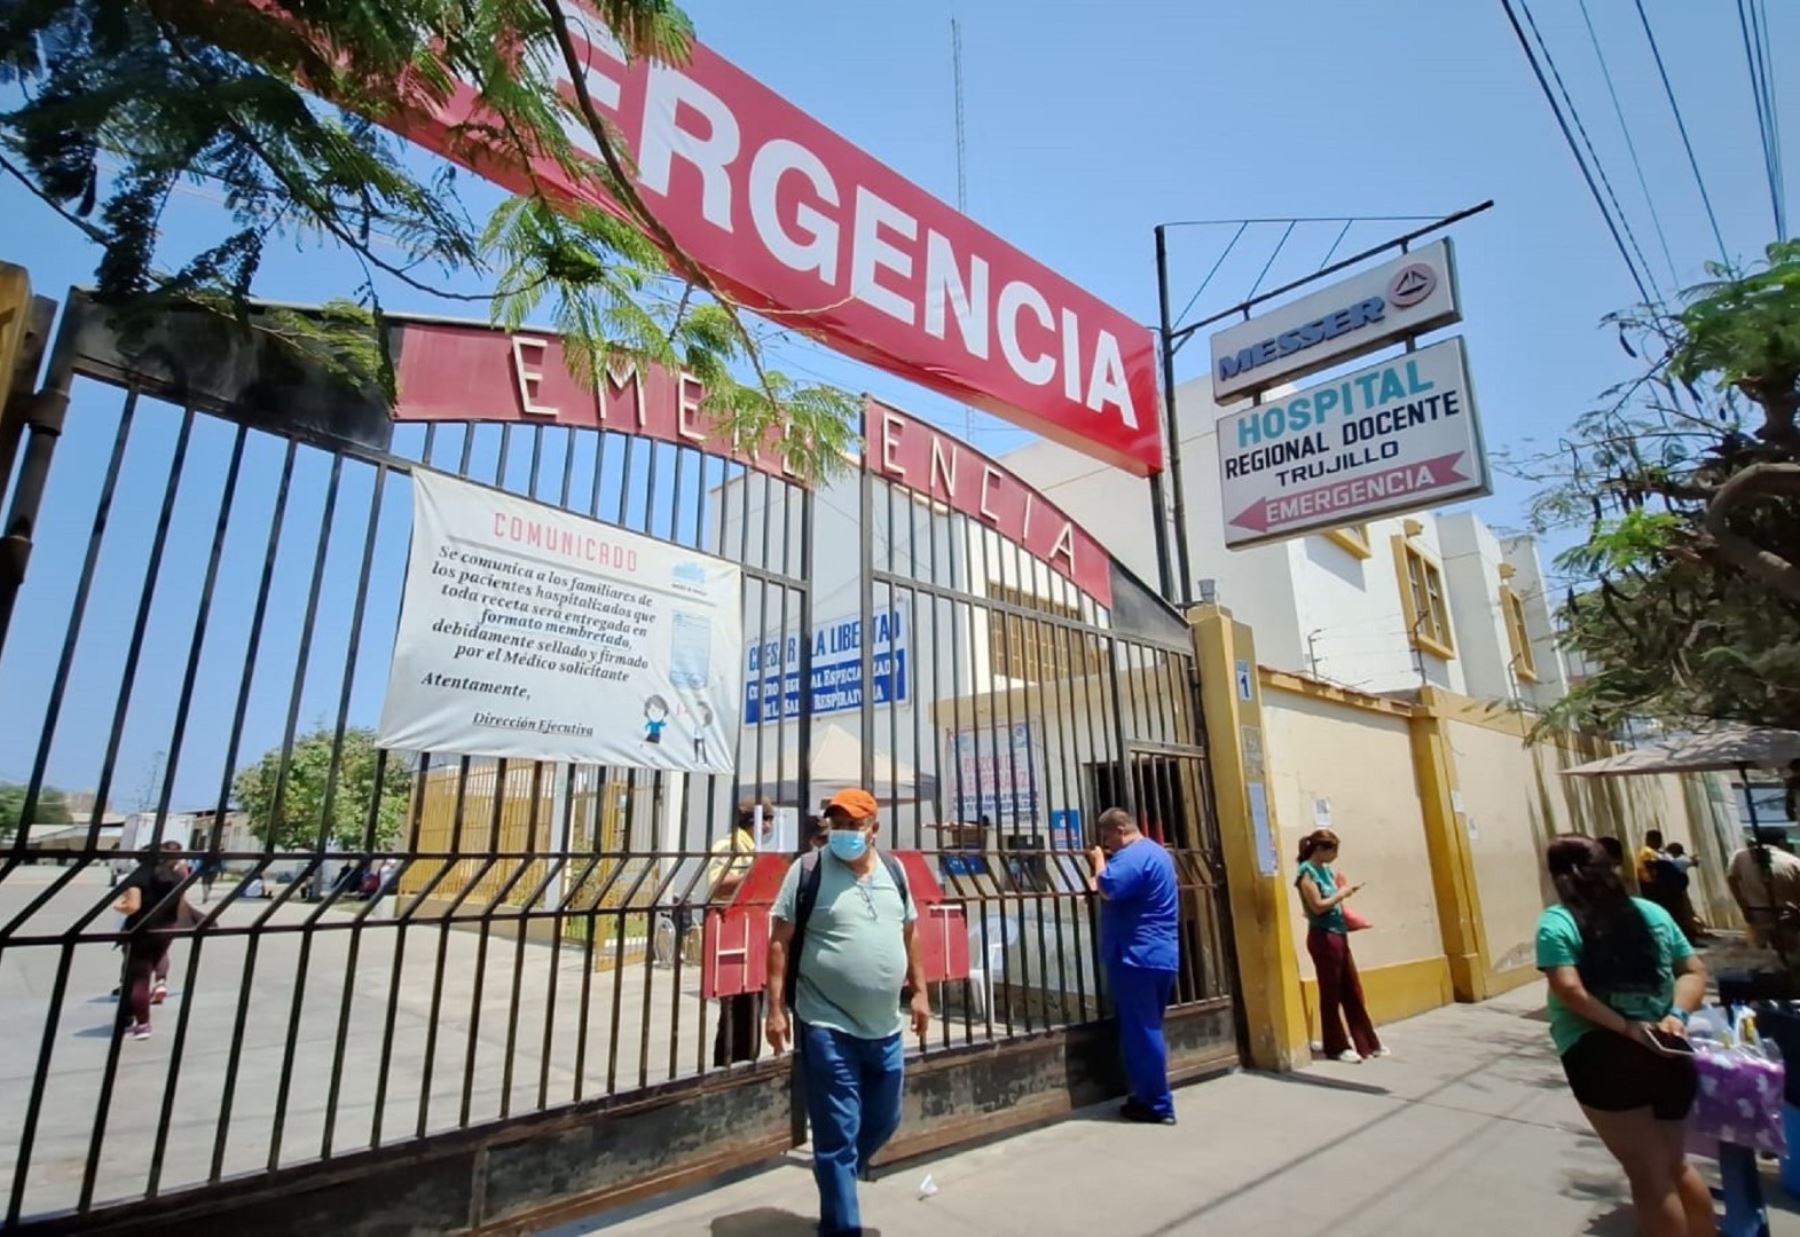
617 380
943 466
687 406
526 377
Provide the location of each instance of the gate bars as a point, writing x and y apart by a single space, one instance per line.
213 579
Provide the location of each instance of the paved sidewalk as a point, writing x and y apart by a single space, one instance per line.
1468 1129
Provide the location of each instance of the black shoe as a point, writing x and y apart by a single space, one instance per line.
1131 1110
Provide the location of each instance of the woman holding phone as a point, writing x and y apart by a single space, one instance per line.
1328 941
1623 980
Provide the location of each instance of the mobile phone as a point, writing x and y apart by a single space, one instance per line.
1670 1043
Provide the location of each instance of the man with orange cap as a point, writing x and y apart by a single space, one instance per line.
845 917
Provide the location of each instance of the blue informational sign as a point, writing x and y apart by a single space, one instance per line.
772 668
1065 829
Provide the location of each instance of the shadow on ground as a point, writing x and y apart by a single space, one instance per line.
768 1222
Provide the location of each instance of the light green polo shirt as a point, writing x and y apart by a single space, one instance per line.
1559 944
853 959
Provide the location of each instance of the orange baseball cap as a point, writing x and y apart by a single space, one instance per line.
857 804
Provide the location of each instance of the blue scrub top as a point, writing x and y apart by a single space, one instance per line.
1140 914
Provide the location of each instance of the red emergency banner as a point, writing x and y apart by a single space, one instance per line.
788 217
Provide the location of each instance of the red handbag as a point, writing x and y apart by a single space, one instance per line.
1353 922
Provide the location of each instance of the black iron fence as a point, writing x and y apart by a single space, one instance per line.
386 946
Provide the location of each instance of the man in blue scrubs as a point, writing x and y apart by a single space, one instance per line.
1139 942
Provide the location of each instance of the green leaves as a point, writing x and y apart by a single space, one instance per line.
52 808
288 808
123 100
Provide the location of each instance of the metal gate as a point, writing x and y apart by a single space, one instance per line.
1048 684
426 984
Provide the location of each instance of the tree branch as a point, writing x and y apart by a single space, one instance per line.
1756 481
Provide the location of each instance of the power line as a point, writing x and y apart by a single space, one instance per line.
1593 155
1569 137
1235 237
1767 46
1753 60
1681 124
1643 182
1279 246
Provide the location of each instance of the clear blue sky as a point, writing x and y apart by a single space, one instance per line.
1087 124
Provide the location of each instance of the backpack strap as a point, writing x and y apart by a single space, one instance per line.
896 873
805 898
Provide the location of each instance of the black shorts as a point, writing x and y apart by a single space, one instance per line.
1613 1074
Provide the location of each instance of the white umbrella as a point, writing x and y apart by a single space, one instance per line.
1724 747
1707 751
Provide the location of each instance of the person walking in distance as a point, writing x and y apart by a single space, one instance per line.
737 1038
1140 914
1328 941
1623 980
841 948
151 906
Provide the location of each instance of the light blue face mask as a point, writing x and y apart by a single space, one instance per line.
848 844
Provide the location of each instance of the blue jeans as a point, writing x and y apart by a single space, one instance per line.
1139 998
853 1101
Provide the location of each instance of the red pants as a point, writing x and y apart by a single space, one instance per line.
1339 988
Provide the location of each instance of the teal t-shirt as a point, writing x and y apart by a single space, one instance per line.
1559 944
1333 919
853 960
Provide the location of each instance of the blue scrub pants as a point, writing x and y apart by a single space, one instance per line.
1139 998
853 1102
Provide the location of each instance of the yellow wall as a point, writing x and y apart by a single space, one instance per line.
1516 798
1359 758
1443 808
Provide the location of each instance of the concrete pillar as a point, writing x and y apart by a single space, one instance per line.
1447 841
1268 967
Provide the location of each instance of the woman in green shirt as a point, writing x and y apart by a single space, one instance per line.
1622 975
1328 942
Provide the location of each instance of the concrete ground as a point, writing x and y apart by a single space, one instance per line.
1468 1129
484 1062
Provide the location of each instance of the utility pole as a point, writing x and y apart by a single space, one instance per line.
962 166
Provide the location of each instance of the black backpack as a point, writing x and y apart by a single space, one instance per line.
807 896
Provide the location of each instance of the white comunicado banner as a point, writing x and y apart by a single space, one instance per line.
533 634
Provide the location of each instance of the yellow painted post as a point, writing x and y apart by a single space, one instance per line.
1268 968
15 317
1447 842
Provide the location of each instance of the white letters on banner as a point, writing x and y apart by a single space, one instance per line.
534 634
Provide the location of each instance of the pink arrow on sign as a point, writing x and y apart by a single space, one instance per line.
1397 482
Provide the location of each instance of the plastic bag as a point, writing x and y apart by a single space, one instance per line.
1739 1100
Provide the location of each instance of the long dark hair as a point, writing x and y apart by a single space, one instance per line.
1618 952
1318 839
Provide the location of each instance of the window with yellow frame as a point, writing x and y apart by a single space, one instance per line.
1352 537
1517 634
1423 600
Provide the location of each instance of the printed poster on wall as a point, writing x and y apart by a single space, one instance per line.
534 634
993 772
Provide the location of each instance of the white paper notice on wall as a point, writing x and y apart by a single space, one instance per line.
1267 862
530 633
1456 801
1474 833
1321 813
